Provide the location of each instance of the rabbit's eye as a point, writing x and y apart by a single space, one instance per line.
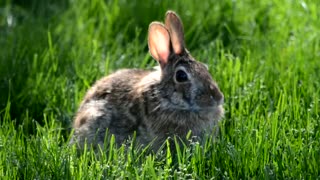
181 76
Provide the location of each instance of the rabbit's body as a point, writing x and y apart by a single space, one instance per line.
174 99
104 108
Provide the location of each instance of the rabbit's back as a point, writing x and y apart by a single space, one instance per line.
112 103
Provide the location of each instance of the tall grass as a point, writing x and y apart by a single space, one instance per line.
263 54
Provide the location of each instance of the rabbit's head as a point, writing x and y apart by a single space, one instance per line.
185 83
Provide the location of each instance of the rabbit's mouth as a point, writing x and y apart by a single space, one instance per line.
187 105
206 109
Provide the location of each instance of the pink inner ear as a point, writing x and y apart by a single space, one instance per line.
176 44
159 43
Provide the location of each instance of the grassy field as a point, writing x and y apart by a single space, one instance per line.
265 56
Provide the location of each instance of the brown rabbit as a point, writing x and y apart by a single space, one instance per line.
177 97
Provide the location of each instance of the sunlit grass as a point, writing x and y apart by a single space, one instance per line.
263 54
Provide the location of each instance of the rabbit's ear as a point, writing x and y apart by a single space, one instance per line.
175 27
159 42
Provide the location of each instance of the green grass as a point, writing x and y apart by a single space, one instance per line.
265 56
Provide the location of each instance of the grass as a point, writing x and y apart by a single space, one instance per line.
263 54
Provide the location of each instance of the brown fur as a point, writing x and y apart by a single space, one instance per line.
151 102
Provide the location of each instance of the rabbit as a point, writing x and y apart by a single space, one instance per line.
177 97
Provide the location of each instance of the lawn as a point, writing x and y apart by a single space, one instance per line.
265 56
